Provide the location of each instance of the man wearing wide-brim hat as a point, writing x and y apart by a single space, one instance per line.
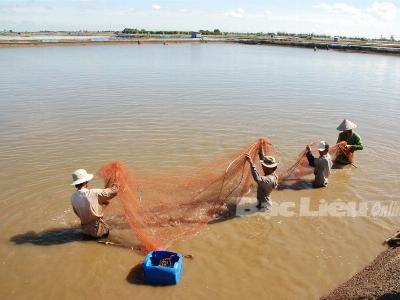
88 204
352 138
268 182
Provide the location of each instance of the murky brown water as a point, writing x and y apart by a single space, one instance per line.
154 106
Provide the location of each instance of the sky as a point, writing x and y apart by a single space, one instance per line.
371 19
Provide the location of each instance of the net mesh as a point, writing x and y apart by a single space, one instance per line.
164 208
300 169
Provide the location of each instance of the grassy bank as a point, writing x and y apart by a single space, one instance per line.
384 47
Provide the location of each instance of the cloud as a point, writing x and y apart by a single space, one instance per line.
339 8
384 10
343 8
345 13
323 6
88 3
8 8
156 7
237 13
371 20
265 14
22 6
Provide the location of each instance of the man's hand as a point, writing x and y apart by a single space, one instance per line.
308 148
249 159
349 147
261 153
115 187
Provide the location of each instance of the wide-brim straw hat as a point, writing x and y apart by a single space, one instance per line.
346 125
269 162
81 176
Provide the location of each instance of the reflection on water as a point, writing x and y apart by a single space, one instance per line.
160 107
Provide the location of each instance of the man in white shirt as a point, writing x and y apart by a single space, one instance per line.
88 204
322 164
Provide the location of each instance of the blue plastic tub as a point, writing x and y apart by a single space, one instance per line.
162 267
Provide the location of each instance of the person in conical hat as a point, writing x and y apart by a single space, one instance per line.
322 164
353 139
88 204
268 182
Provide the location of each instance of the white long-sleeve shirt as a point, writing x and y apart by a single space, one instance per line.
87 203
323 167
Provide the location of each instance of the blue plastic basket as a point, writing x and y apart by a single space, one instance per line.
162 267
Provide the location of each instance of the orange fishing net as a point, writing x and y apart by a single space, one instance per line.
300 169
163 208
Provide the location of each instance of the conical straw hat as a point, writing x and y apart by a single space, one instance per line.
346 125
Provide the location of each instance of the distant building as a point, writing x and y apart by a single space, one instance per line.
336 39
196 35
